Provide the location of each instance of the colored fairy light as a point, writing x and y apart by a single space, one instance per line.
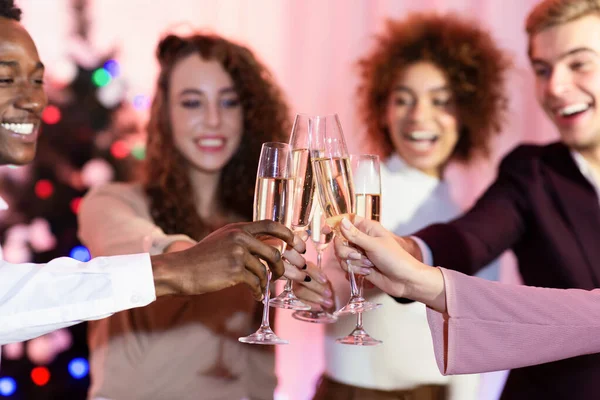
96 172
141 102
40 376
8 386
51 115
139 152
113 68
75 203
79 368
119 149
80 253
101 77
111 95
43 188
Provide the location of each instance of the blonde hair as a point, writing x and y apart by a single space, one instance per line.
550 13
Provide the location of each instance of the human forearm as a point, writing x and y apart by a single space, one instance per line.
426 285
409 244
40 298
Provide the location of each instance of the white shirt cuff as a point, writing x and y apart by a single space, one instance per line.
425 251
132 280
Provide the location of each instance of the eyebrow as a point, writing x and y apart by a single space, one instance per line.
200 92
14 64
566 54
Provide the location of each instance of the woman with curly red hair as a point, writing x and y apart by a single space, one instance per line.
215 104
431 91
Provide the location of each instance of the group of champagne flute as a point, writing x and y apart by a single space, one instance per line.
308 184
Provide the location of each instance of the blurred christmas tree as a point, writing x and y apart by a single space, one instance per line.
90 135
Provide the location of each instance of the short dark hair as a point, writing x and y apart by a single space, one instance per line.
9 10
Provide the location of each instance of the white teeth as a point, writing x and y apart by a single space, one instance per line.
23 129
422 135
422 145
211 142
573 109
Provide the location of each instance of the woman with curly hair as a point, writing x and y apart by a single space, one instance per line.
215 104
431 91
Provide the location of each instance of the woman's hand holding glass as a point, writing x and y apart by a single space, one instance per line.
395 271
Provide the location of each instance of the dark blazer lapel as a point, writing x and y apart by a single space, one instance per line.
579 203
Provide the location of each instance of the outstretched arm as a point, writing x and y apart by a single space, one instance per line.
479 325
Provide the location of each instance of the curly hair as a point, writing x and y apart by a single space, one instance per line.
265 118
9 10
474 66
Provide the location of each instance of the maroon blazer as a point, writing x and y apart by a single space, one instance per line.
546 211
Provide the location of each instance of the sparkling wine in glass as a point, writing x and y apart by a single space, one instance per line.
335 188
367 180
273 197
320 241
302 208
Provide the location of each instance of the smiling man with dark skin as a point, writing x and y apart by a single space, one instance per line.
38 298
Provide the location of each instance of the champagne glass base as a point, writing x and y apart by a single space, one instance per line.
359 337
316 317
357 305
263 336
289 301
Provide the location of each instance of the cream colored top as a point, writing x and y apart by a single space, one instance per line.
169 349
405 360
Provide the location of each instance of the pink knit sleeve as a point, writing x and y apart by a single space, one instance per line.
492 326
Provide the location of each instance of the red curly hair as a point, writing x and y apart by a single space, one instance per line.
474 66
265 118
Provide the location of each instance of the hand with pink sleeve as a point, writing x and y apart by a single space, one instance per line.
395 271
478 325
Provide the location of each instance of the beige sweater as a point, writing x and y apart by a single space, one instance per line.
168 349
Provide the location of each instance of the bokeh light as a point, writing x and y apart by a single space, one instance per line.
101 77
80 253
40 376
119 149
51 115
43 188
113 68
8 386
79 368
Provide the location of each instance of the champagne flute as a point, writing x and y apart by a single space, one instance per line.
321 241
367 181
303 200
273 197
335 188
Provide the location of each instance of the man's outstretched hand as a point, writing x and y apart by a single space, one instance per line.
227 257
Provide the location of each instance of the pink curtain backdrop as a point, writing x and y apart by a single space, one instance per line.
311 46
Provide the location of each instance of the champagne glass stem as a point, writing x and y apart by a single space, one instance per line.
359 317
319 257
265 316
359 321
353 284
288 285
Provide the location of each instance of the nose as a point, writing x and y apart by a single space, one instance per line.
558 82
420 111
213 115
32 99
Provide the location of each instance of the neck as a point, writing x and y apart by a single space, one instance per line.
434 172
205 185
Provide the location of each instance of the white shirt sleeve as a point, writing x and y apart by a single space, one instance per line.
425 251
39 298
